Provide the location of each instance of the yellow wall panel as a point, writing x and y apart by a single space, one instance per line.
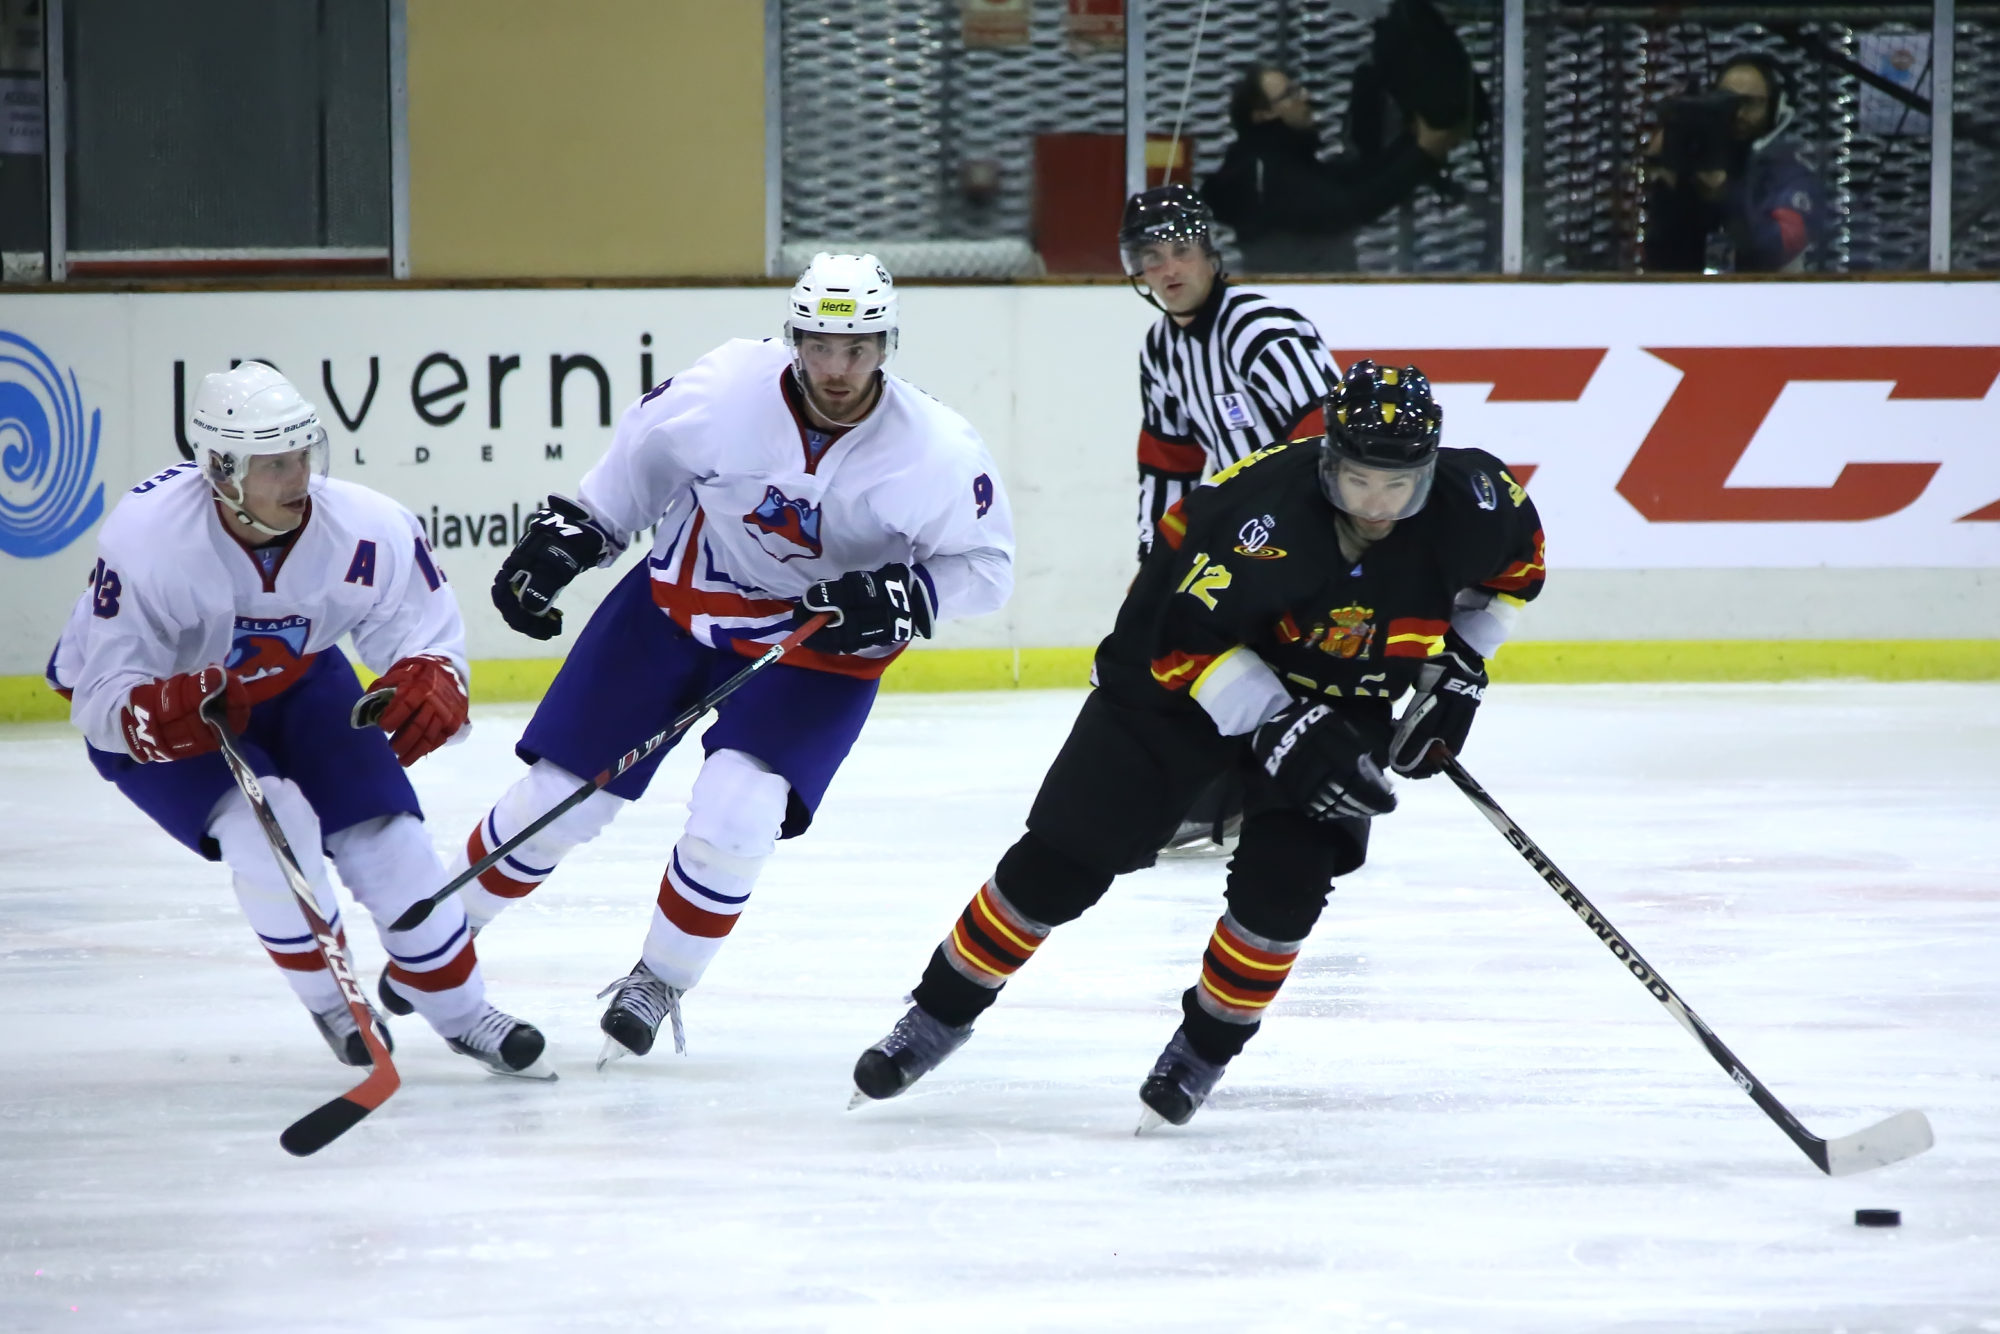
588 139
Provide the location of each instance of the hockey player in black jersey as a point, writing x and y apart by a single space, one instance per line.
1280 615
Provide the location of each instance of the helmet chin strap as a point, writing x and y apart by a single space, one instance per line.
246 517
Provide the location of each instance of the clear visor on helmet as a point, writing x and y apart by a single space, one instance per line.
1156 251
1375 492
276 478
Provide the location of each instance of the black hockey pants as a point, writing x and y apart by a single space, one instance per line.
1117 790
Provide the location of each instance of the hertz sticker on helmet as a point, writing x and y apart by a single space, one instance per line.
834 305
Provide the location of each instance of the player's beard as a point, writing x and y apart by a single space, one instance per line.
854 411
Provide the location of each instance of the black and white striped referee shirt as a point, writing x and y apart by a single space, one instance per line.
1244 374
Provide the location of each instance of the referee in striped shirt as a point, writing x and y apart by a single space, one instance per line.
1224 373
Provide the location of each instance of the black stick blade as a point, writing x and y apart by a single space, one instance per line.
414 915
322 1126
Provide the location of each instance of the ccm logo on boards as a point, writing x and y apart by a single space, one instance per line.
1680 471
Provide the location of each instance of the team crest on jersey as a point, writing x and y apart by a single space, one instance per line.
268 646
1348 633
1235 410
785 527
1483 492
1254 537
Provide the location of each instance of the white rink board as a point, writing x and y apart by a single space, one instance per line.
1635 469
1463 1116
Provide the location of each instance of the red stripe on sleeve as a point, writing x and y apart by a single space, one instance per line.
1183 458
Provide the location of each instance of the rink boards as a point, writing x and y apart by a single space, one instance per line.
1773 479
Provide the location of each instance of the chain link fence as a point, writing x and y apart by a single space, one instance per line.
896 131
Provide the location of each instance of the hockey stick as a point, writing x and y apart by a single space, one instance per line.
1904 1135
421 909
329 1121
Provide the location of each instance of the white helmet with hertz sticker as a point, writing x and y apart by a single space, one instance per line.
843 294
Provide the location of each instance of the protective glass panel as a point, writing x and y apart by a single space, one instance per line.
1622 103
24 235
210 125
1975 156
980 138
1345 188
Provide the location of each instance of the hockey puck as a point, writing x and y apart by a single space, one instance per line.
1878 1218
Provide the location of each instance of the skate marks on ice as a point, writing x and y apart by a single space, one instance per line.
1456 1118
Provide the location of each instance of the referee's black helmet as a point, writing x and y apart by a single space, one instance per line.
1164 213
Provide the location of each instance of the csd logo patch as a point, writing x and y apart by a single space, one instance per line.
48 454
833 305
1253 539
785 527
268 652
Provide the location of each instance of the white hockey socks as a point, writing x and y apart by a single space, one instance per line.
388 863
516 875
265 896
734 814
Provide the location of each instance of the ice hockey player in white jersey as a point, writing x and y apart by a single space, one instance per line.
236 575
787 478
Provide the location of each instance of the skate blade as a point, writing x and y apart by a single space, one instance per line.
540 1070
614 1050
859 1099
1149 1120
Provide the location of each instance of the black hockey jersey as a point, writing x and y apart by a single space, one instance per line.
1254 560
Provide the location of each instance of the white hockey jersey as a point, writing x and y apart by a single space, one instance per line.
754 507
173 592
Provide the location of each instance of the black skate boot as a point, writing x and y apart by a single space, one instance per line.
633 1018
505 1045
343 1035
916 1046
1181 1081
394 1001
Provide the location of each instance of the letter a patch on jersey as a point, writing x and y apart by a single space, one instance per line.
785 527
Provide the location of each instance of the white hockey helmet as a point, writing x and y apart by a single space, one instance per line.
844 294
245 413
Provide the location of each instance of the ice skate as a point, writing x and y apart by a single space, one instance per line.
633 1017
505 1045
916 1046
394 1001
1204 838
343 1035
1181 1081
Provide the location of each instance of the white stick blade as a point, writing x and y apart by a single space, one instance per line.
1904 1135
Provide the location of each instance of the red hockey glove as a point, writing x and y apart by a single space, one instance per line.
428 709
162 719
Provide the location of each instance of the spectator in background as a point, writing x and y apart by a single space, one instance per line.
1292 212
1722 161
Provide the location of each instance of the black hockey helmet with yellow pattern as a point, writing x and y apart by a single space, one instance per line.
1380 420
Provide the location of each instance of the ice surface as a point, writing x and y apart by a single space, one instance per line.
1463 1114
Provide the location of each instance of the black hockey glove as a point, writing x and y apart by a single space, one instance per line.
1317 760
1449 688
870 608
559 543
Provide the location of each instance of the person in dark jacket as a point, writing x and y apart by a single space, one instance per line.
1292 212
1754 184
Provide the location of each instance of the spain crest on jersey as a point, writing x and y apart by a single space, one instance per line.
785 527
268 652
1349 633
